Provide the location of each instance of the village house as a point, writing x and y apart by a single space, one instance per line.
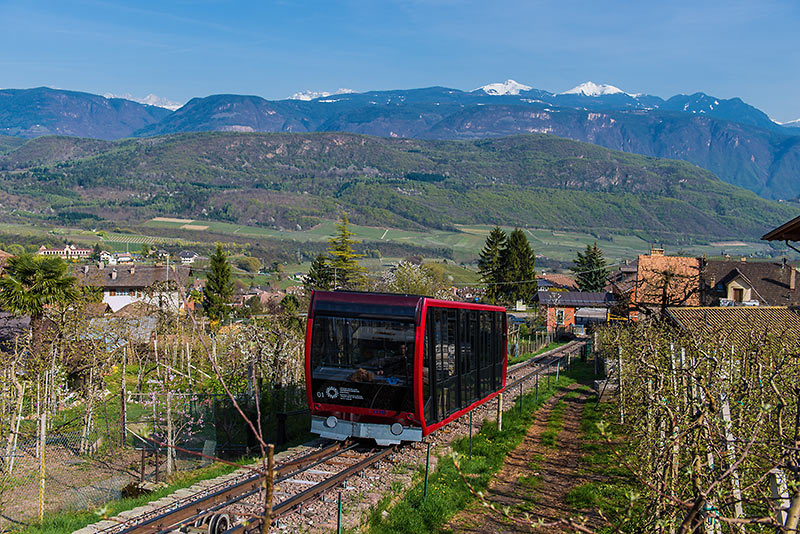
749 283
123 258
69 252
574 310
188 257
153 285
655 281
666 280
556 282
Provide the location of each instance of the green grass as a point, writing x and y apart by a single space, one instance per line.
529 355
554 424
447 493
466 242
62 522
611 490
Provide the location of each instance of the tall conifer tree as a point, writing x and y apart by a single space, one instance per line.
219 286
590 269
320 275
518 263
489 264
347 273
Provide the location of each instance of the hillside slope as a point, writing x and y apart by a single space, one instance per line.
46 111
735 141
296 179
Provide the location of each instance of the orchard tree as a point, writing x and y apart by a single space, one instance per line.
219 287
347 273
489 264
410 278
590 269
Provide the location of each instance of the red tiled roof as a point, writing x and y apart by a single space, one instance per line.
675 279
559 280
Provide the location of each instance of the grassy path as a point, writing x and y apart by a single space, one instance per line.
411 512
538 475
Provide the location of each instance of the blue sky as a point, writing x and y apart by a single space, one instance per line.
182 49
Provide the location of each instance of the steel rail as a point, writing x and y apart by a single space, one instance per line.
328 483
226 493
312 492
536 359
240 497
553 358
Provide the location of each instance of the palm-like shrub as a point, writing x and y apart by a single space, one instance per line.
30 284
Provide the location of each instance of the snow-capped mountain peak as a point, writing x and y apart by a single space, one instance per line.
593 89
150 100
791 124
508 87
311 95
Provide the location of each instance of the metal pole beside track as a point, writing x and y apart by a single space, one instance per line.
500 412
427 470
339 516
470 434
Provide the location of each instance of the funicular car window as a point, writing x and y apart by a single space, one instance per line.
428 359
468 352
497 348
363 362
486 360
444 356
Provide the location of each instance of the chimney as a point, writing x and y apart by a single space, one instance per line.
727 257
133 270
114 274
744 259
654 251
792 279
100 265
85 269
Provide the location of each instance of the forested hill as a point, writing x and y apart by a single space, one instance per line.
295 179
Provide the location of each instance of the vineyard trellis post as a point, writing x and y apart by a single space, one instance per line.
619 385
779 493
42 443
123 415
12 442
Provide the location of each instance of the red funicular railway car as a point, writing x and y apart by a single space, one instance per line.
395 367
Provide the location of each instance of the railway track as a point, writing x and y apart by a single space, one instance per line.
543 360
233 503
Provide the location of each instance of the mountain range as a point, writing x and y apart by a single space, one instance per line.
735 141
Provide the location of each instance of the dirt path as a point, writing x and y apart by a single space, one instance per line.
538 474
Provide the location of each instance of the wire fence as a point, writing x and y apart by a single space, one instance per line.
74 466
